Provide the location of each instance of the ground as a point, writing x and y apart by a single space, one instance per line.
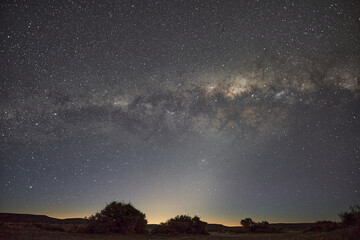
10 231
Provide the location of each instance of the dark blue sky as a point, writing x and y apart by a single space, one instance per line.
225 109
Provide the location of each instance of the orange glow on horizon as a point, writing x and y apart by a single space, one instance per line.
157 220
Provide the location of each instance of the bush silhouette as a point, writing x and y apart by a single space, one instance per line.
182 224
247 223
261 227
351 218
117 217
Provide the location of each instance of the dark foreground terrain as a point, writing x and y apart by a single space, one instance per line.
40 227
27 231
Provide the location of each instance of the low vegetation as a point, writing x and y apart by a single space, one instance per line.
259 227
323 226
121 218
182 224
351 221
352 217
117 217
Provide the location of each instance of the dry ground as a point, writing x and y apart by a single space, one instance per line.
28 231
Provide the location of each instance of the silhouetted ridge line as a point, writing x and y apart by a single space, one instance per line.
26 218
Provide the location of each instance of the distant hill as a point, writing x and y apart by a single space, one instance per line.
32 218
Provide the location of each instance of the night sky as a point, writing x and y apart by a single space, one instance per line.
225 109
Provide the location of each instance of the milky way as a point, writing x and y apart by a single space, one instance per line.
226 109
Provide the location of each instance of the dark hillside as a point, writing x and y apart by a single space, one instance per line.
32 218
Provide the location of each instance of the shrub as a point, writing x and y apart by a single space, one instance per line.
260 227
117 217
248 224
182 224
351 219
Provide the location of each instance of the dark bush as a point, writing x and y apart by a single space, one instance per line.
181 225
260 227
351 219
247 224
117 217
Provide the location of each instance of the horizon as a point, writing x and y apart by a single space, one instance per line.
225 223
151 223
222 109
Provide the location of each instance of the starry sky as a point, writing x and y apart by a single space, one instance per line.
225 109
